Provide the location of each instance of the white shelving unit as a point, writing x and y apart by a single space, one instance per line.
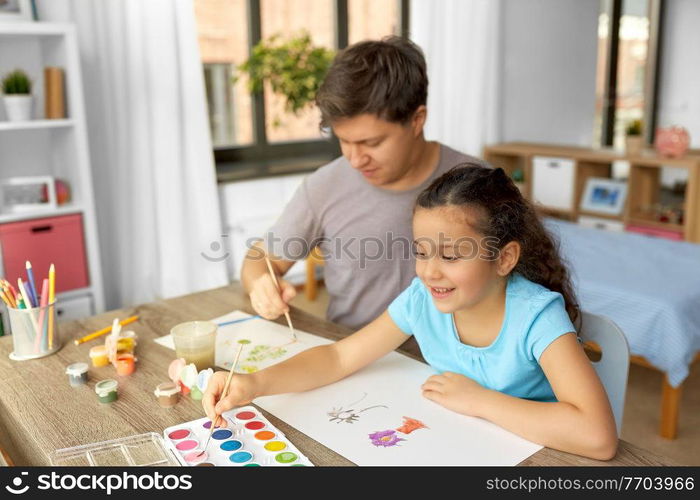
58 148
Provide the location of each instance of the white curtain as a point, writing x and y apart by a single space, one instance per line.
461 41
151 151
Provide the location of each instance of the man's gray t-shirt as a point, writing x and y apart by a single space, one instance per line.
364 232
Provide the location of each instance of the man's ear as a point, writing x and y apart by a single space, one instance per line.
508 258
418 120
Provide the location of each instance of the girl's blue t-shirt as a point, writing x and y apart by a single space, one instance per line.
534 317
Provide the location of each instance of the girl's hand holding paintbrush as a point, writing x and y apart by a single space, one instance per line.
241 391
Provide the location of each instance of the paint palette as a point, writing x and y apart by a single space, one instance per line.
141 450
248 439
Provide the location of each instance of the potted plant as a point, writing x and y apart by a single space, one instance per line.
17 90
634 141
293 68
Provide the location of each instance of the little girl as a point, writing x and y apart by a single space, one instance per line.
492 310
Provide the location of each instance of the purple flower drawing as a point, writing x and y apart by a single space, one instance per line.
385 438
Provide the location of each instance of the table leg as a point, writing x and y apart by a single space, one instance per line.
670 403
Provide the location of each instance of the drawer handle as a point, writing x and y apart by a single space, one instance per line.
553 164
41 229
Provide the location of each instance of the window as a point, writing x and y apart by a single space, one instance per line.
253 134
628 54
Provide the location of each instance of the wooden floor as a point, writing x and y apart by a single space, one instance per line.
641 420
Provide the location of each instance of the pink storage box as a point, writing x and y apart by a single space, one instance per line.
656 232
57 240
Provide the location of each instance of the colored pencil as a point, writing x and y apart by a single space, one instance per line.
25 295
103 331
9 293
52 299
42 313
224 394
274 278
5 298
31 288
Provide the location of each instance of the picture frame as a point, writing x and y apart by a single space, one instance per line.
604 196
16 10
27 194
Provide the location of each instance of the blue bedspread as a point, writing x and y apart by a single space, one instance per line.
649 286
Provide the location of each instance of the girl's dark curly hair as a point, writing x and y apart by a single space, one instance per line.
507 216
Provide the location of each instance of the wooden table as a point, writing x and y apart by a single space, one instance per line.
40 412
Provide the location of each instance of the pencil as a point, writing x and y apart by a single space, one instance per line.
25 295
274 278
5 298
9 293
31 288
52 299
105 330
42 314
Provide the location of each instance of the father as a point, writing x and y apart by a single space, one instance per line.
358 208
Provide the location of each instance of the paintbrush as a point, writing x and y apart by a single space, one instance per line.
223 395
274 278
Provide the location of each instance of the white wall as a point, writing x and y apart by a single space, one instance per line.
679 84
548 88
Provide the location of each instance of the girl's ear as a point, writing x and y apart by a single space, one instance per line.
508 258
418 120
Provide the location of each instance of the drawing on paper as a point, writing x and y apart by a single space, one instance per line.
385 438
350 415
410 425
258 354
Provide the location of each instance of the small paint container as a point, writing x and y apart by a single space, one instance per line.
77 374
126 342
253 426
196 393
244 416
99 357
275 447
183 388
107 390
265 436
125 364
241 457
179 434
168 394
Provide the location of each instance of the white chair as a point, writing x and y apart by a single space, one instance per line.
613 366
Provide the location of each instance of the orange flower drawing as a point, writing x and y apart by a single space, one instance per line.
410 425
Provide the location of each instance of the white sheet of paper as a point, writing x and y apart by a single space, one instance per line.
343 415
269 342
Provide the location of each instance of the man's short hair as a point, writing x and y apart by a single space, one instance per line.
387 78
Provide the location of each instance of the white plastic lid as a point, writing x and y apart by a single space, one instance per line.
77 369
104 387
98 350
166 389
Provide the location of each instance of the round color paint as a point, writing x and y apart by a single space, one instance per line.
188 444
195 457
179 434
286 457
245 415
275 446
255 425
241 457
207 425
222 434
206 464
232 445
252 465
264 435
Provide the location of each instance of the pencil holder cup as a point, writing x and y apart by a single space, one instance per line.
34 332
